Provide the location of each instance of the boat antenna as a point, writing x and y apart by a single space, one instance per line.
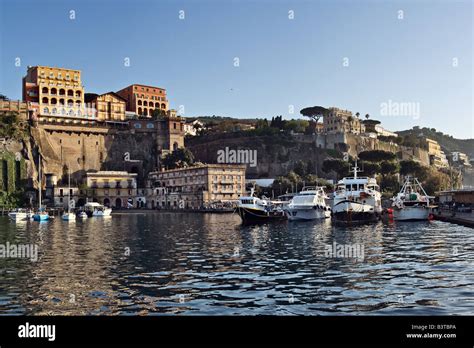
356 169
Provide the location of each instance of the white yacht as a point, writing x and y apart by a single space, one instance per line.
357 199
254 210
309 204
20 215
412 202
97 209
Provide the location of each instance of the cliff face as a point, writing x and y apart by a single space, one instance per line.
85 149
277 155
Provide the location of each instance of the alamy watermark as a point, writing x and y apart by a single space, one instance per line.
353 251
393 108
237 156
20 251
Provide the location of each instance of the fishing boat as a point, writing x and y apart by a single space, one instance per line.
41 214
69 216
252 209
94 209
357 199
412 202
309 204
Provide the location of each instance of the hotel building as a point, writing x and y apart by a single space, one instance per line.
54 91
195 187
110 106
143 100
342 121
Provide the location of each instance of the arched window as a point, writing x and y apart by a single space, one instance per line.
78 103
55 111
70 93
54 101
62 91
145 103
145 112
46 111
45 100
139 111
163 106
175 146
139 102
63 112
78 94
61 102
45 90
70 103
54 91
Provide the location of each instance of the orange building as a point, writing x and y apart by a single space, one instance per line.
143 100
54 91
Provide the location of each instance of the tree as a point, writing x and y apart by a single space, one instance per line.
389 167
314 112
158 114
340 167
413 168
300 168
179 158
377 156
370 168
367 116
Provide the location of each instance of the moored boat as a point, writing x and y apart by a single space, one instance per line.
357 199
252 209
412 202
309 204
94 209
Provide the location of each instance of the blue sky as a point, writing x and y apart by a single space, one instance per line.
283 63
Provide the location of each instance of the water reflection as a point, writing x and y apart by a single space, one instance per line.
170 263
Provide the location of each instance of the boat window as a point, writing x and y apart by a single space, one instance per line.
361 187
348 187
354 187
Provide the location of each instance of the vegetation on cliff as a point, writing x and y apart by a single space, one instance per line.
12 127
180 158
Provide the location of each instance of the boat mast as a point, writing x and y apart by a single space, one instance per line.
39 182
69 190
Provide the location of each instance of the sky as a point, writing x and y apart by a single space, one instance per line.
405 63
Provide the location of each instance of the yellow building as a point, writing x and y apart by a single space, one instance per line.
342 121
115 189
110 106
437 156
55 92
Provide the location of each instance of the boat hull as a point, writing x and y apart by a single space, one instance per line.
68 217
249 215
411 214
354 212
18 216
40 217
295 214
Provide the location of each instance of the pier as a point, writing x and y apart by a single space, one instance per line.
465 219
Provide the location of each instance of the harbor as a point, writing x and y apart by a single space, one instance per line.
178 263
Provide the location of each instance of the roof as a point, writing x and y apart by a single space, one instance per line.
88 97
137 84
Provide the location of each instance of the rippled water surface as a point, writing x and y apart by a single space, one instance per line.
173 263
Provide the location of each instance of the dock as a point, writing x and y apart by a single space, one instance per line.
464 219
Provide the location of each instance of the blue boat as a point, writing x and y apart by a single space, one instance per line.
41 215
